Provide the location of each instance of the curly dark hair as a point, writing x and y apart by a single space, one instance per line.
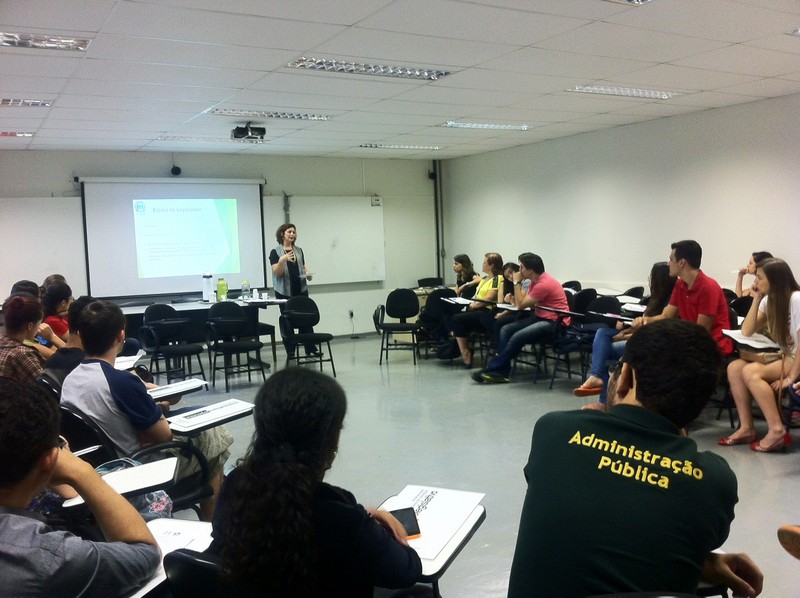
269 539
29 422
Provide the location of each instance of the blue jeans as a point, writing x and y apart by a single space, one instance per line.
604 350
514 337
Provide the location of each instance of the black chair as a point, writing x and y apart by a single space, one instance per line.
729 295
741 305
582 299
264 329
161 337
564 341
301 313
574 285
83 432
432 281
637 292
192 574
49 385
227 330
725 401
401 304
432 318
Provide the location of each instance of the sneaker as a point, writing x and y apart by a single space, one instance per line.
477 376
495 377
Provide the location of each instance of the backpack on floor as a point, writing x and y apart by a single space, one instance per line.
448 350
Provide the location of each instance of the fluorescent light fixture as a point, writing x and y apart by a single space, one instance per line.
630 92
267 114
207 139
462 125
398 146
15 134
16 103
631 2
43 42
357 68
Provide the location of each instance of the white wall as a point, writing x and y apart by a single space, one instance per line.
408 212
602 207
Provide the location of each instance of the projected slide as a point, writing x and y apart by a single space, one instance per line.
147 237
177 237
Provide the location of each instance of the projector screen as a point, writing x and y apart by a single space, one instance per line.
158 236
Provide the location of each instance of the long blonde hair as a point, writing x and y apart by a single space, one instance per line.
781 286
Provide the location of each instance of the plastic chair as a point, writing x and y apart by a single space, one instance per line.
431 281
161 337
730 295
192 574
572 284
401 304
227 325
49 385
301 313
741 305
582 299
82 432
432 316
637 292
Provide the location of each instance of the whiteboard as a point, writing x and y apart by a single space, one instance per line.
342 238
42 236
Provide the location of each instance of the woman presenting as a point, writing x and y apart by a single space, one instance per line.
289 272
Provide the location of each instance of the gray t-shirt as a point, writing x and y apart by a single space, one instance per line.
38 561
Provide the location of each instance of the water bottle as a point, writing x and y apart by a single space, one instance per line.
222 289
207 286
245 290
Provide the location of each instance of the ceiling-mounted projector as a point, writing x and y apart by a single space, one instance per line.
248 132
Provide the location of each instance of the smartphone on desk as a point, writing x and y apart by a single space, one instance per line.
408 518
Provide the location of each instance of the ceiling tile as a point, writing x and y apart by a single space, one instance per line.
469 21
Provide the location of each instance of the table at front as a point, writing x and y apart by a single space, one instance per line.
196 315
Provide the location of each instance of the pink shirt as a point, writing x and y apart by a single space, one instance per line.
549 293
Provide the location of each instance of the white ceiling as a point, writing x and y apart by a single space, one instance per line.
155 67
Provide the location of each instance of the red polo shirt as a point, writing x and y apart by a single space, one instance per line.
704 298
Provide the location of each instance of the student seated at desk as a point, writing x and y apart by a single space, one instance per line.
776 311
37 560
118 402
750 268
279 529
544 291
19 357
609 343
47 342
664 506
466 277
462 323
66 359
55 302
695 296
